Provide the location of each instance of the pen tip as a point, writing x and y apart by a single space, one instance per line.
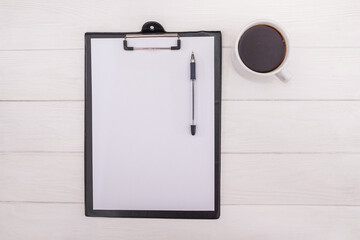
193 129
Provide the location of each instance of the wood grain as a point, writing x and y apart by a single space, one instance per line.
318 74
256 127
251 179
42 177
61 25
67 221
42 75
41 126
59 75
291 179
305 127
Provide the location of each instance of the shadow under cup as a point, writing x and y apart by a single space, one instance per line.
262 48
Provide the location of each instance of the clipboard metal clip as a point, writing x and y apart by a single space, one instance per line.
177 47
152 30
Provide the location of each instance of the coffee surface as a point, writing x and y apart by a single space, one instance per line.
262 48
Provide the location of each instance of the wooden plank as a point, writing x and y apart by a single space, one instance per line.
59 75
246 126
290 127
41 126
67 221
42 177
321 73
53 25
314 179
42 75
307 179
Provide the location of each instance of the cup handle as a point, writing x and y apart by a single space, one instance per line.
284 75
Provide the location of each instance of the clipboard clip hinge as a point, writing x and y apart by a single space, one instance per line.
152 30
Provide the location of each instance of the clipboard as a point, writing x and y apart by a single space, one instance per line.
140 159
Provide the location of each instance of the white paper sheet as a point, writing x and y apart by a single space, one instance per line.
144 157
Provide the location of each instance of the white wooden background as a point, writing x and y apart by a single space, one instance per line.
290 152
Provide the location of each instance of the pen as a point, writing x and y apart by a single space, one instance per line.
192 78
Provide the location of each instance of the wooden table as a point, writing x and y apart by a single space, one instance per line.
290 152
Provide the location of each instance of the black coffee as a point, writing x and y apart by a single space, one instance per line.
262 48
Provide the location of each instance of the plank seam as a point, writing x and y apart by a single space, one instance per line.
225 46
224 100
244 204
225 153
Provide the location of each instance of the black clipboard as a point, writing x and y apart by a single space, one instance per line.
151 29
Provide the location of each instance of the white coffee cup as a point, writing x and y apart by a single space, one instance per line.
281 72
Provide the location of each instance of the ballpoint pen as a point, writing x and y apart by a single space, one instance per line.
192 78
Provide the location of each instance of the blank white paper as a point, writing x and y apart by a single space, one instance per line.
144 156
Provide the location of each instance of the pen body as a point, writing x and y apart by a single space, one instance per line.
193 102
193 94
